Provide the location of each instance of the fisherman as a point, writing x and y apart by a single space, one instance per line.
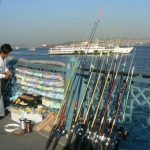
4 73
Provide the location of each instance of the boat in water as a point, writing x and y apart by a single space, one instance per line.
92 49
16 48
122 50
32 49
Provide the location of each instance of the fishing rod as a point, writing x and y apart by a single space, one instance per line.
97 69
75 126
75 108
126 101
84 62
89 135
108 138
90 76
73 93
61 129
86 51
56 123
104 140
95 83
121 77
94 91
110 95
87 48
103 90
92 98
120 100
72 98
82 127
119 85
81 103
114 72
83 65
118 88
78 138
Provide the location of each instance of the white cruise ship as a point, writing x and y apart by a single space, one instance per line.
93 48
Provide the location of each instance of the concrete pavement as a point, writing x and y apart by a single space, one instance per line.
28 141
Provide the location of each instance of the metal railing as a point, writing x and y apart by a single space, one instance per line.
137 117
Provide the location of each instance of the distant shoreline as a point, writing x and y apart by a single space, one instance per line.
142 45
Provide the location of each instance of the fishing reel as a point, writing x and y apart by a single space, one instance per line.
125 134
57 132
91 136
122 133
109 122
113 141
63 132
96 139
100 141
81 129
110 144
73 129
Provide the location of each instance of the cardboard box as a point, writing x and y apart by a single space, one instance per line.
35 118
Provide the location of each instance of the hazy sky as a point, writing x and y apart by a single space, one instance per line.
55 21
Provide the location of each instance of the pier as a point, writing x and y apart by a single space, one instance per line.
137 107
